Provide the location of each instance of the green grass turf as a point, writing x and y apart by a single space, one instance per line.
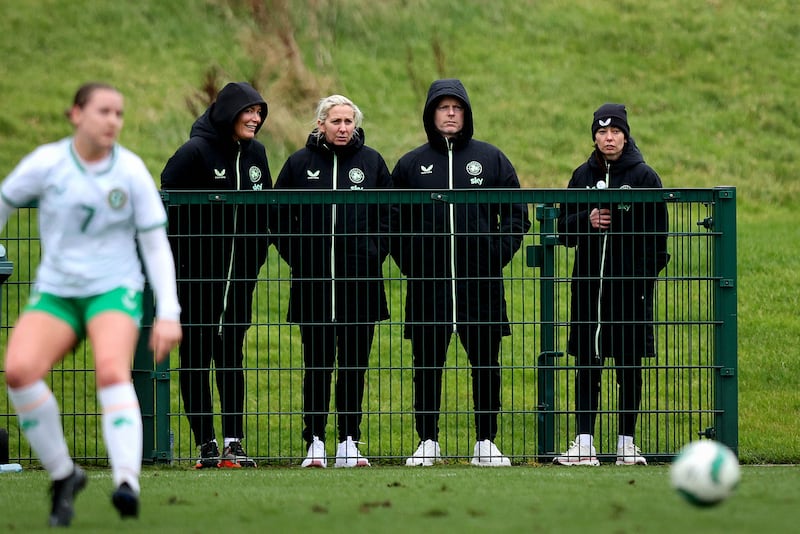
398 499
711 88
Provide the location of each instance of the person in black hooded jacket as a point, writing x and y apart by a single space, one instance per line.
453 257
219 250
337 292
619 251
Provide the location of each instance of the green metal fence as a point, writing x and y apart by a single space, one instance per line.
690 387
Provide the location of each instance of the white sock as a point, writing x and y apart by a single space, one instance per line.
624 440
585 439
122 432
227 441
40 420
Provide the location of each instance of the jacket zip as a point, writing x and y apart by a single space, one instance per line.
602 274
333 235
233 245
452 232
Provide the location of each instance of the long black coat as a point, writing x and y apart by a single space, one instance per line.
635 252
471 255
302 234
219 248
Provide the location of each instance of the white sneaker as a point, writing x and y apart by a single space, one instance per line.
316 454
348 455
427 454
578 454
486 454
630 455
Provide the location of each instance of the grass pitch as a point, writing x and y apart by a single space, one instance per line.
443 498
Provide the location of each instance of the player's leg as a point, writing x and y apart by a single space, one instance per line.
113 330
29 356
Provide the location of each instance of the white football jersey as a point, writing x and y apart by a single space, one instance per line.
88 219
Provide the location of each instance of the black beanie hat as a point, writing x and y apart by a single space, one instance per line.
611 115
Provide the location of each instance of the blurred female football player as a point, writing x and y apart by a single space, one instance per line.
96 202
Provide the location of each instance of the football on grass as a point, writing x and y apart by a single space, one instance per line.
705 472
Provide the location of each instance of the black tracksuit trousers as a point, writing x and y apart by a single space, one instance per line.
429 345
321 344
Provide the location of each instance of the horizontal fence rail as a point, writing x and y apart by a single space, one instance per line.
690 386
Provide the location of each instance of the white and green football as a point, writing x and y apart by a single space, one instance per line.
705 472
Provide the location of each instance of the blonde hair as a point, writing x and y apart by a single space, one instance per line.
324 106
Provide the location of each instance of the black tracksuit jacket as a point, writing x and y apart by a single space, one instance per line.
219 248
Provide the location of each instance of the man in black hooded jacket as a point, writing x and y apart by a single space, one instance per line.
453 256
219 250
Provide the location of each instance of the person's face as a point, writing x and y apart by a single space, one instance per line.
247 123
449 116
611 141
339 125
99 121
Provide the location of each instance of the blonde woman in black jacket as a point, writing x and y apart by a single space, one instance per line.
335 253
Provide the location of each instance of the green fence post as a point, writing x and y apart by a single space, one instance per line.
726 388
152 388
142 377
6 268
546 215
164 446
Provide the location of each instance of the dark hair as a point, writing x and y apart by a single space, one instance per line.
84 93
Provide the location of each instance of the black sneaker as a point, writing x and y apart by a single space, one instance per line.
234 456
63 492
209 455
126 501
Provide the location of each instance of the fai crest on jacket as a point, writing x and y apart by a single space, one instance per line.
474 168
356 176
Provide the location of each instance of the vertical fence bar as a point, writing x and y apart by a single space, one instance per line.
546 215
152 388
726 388
6 269
163 451
143 377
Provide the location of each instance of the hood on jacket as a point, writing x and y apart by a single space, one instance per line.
438 90
219 118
